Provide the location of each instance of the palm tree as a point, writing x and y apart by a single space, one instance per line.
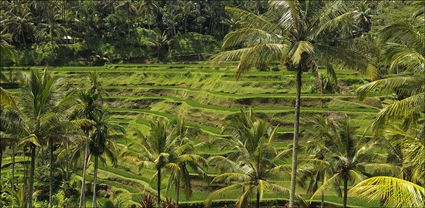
19 24
7 139
61 131
101 144
149 9
180 176
41 119
167 147
300 33
51 27
8 127
314 172
253 162
350 158
395 192
88 104
404 51
316 168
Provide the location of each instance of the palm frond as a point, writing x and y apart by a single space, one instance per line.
345 20
250 20
230 177
394 191
248 37
406 56
301 48
330 181
6 99
401 108
220 192
389 84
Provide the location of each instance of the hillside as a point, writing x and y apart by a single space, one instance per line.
205 96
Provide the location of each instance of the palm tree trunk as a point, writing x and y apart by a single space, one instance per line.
94 182
159 186
345 190
296 134
177 192
31 179
322 201
67 166
82 202
51 173
13 167
1 167
25 182
258 198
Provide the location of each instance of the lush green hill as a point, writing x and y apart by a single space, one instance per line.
205 96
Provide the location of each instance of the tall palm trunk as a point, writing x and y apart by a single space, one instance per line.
322 201
12 182
25 183
296 134
94 204
1 159
31 178
82 202
159 187
177 192
345 190
51 173
258 198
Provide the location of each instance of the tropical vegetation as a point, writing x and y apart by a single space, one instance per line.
196 103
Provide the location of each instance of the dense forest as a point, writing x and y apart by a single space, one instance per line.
212 103
98 32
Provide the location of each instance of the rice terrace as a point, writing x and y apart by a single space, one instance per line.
201 103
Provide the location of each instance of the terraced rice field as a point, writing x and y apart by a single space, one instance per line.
205 96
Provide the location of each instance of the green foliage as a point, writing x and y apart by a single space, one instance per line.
46 126
192 46
395 192
112 32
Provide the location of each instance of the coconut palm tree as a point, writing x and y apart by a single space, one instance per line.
296 33
350 158
315 168
180 177
102 145
40 116
395 192
39 120
8 128
405 53
253 162
167 147
19 23
313 173
62 131
43 121
88 104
